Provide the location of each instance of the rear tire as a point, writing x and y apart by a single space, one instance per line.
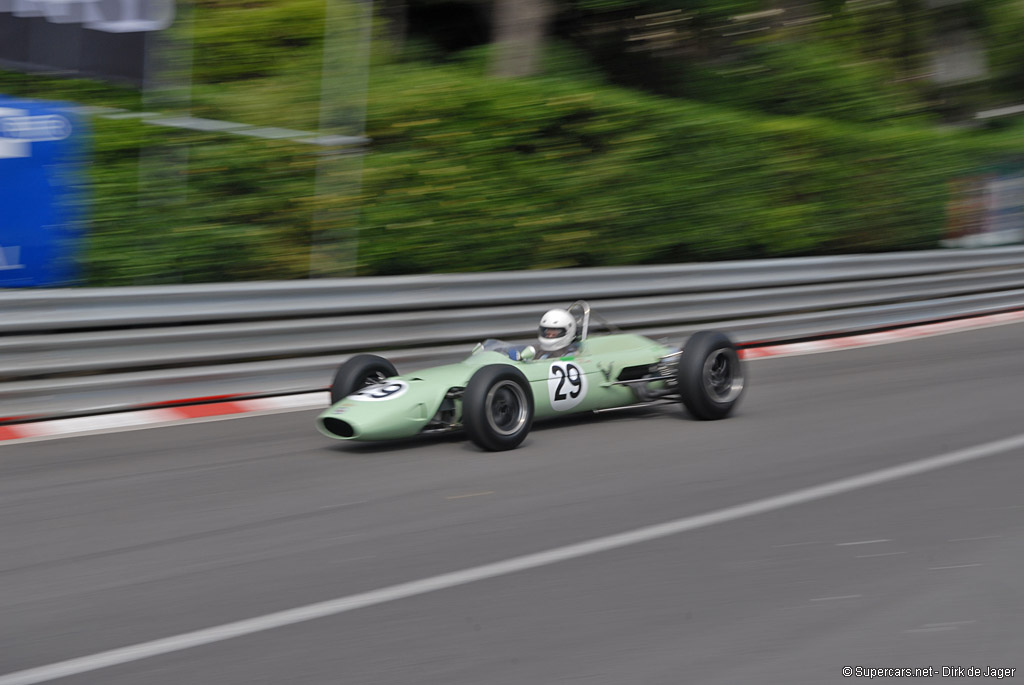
358 372
497 407
710 376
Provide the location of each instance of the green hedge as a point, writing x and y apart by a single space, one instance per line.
472 174
469 173
181 207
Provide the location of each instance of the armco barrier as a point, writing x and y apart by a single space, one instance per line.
83 350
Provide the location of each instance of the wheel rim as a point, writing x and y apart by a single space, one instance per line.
723 379
506 408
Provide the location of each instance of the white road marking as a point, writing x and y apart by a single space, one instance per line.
472 494
943 568
980 537
832 599
883 554
860 542
948 623
796 544
341 605
937 627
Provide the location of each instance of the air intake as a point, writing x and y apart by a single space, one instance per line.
343 429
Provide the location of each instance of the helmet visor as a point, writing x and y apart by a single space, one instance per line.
550 333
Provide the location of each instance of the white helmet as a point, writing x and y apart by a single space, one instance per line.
557 330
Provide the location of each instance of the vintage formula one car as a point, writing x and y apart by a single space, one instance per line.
497 392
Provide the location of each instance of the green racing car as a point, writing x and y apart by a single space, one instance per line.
497 392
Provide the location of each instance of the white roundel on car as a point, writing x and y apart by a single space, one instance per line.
567 385
388 390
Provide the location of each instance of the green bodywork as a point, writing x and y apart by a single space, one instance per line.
579 382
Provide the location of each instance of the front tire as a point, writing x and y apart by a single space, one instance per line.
497 407
710 376
358 372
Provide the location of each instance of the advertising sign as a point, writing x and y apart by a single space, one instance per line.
41 193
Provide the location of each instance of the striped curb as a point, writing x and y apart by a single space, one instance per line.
105 423
142 418
882 337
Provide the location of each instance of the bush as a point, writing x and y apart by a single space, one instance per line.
805 78
544 174
468 173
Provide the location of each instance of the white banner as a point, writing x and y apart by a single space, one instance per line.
111 16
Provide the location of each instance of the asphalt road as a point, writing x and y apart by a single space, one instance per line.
112 540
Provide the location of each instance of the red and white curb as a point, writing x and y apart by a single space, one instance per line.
148 418
143 418
882 337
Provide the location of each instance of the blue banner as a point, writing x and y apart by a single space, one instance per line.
42 192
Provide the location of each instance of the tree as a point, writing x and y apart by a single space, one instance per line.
519 30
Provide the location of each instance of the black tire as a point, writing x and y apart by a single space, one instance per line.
710 375
358 372
497 407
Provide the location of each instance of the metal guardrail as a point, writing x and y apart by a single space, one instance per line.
80 350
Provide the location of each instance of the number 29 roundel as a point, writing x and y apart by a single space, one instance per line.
388 390
567 385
